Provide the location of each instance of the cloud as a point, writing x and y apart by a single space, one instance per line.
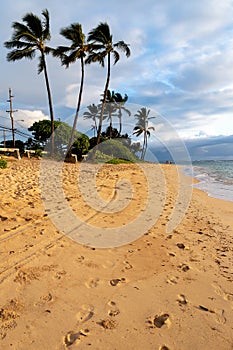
180 66
25 118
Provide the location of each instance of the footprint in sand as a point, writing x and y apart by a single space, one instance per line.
44 299
127 266
115 281
85 314
59 274
172 280
114 311
159 321
181 299
220 316
92 283
219 291
184 267
108 264
108 324
74 337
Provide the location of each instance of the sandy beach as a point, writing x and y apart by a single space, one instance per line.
164 290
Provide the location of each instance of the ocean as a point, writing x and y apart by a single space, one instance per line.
215 176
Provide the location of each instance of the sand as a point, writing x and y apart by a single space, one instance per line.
164 290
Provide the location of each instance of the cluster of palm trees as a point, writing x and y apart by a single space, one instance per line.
32 35
114 107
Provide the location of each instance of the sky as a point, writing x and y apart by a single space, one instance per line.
181 68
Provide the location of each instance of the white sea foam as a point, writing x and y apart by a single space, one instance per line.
216 178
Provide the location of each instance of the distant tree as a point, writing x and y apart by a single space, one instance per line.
28 38
41 133
110 133
32 144
102 46
18 144
93 112
81 145
41 130
120 105
141 127
109 112
70 54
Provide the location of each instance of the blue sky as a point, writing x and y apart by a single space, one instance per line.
181 65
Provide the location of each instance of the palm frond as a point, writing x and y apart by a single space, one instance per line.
46 25
100 34
17 44
95 57
40 65
34 24
15 55
22 32
123 47
116 56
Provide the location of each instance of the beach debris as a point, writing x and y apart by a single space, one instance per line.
203 308
163 347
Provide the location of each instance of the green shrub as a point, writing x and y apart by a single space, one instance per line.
38 152
3 164
118 161
116 149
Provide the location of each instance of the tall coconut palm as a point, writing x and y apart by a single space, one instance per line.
92 113
70 54
103 46
109 112
120 102
28 38
142 127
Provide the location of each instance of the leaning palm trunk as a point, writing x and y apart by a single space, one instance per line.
50 103
77 109
104 102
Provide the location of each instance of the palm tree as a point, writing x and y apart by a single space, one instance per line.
141 127
92 113
102 46
69 54
28 38
109 112
120 102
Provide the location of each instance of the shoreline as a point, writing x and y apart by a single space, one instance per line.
153 292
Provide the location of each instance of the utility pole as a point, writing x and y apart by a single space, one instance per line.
11 111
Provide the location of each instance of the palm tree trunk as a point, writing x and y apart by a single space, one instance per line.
95 130
104 101
143 147
77 109
110 127
120 121
50 103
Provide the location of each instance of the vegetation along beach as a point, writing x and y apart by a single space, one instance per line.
116 176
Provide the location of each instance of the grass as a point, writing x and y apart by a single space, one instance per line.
3 164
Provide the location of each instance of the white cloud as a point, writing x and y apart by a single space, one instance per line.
26 118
